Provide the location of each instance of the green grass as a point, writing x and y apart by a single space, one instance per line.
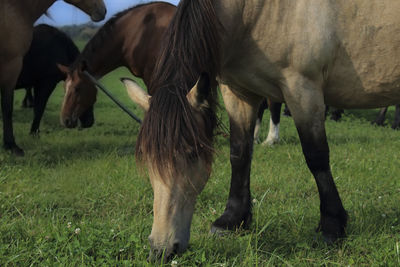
88 179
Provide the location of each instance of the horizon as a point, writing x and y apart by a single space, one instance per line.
63 14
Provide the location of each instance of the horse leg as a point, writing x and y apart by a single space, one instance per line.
42 93
286 111
336 114
28 101
380 119
8 79
308 112
273 133
396 122
260 113
242 116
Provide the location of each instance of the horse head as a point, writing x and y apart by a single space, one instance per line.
94 8
80 96
179 172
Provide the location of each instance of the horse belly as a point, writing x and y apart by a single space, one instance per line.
366 69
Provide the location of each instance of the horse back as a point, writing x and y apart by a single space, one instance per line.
349 49
49 46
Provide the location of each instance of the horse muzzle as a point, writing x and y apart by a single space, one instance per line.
99 14
69 122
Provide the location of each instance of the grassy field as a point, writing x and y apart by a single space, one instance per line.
77 198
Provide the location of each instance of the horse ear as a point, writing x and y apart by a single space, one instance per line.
64 69
136 93
200 91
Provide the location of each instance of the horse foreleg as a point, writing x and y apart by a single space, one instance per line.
260 113
308 112
336 114
8 79
242 116
273 133
380 119
396 122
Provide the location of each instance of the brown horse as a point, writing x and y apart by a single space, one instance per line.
305 53
16 27
131 39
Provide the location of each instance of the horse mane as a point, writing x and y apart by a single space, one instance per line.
104 33
170 133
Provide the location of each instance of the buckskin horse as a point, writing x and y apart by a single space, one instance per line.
16 26
49 47
131 38
306 53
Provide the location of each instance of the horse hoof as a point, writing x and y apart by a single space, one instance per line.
35 133
16 151
218 231
270 142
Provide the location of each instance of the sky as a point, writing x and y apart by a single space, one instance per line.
65 14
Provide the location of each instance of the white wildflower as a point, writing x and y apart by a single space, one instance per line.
77 231
69 225
174 263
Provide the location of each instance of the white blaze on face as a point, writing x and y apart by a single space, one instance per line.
67 86
273 134
173 207
68 83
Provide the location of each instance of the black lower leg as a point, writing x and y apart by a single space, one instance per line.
396 122
275 109
333 215
238 208
7 103
380 119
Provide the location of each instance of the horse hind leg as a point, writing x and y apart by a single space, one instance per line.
8 79
41 96
260 114
273 133
28 101
308 112
242 117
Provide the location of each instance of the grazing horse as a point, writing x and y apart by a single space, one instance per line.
131 38
16 27
304 53
48 48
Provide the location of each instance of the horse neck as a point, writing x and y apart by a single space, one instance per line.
37 8
104 59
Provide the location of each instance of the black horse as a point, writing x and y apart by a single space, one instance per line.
49 47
